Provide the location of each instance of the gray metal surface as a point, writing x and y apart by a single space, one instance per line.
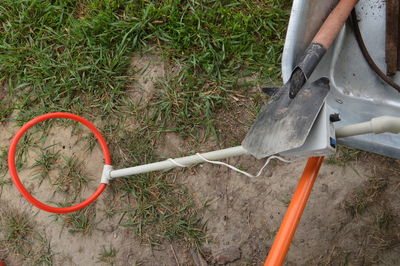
357 93
284 123
319 141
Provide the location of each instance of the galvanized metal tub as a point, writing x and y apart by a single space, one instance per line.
357 93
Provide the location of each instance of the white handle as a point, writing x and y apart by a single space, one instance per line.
382 124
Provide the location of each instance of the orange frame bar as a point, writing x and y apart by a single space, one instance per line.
280 247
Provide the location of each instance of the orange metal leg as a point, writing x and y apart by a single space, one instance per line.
281 245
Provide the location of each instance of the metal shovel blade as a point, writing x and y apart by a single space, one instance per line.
284 123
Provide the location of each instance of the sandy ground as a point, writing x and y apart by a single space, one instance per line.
243 214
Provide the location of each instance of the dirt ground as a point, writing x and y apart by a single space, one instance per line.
352 218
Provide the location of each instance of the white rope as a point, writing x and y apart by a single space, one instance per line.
231 166
176 163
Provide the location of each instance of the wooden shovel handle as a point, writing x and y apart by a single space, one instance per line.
335 21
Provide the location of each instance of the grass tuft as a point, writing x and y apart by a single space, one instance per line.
344 155
162 210
363 197
107 255
81 222
15 228
3 167
45 163
72 179
19 237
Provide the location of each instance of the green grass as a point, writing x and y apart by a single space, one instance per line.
26 143
15 229
79 222
161 207
74 56
107 255
3 167
344 155
46 161
18 236
385 219
5 112
72 178
358 201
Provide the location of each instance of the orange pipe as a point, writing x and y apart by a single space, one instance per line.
281 245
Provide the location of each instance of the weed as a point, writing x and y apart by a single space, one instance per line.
3 167
18 236
358 203
5 113
15 228
344 155
385 219
334 256
285 199
45 163
111 208
133 148
160 207
107 255
23 147
72 178
383 240
44 254
359 200
81 221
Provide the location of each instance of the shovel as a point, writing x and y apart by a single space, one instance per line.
285 122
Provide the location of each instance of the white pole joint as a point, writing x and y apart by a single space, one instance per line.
106 175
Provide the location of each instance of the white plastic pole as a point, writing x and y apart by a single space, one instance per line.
382 124
185 161
376 125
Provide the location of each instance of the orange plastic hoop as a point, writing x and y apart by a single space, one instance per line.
14 173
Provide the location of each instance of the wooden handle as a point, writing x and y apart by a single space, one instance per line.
333 24
392 36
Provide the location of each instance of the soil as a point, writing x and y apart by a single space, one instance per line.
146 70
243 214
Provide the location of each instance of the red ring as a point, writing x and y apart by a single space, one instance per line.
14 173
